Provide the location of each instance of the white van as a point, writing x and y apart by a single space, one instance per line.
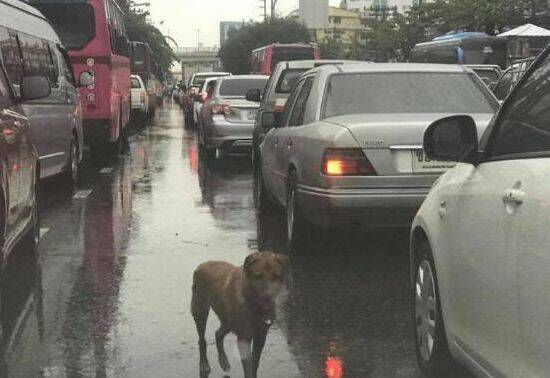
30 46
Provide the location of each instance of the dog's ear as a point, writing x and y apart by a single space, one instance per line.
251 259
287 268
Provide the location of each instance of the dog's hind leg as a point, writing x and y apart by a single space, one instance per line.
222 357
200 307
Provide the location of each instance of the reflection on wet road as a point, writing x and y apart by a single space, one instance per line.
109 296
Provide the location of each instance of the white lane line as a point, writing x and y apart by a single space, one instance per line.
44 231
82 194
106 170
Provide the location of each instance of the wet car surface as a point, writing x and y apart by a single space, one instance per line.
110 293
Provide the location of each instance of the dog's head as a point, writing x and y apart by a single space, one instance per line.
268 276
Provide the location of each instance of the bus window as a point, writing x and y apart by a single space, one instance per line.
75 24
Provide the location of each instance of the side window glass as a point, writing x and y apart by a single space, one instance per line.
503 87
290 103
297 115
11 56
66 66
36 57
525 124
6 97
54 66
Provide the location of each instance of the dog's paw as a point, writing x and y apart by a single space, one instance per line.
224 363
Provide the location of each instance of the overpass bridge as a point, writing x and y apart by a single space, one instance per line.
197 59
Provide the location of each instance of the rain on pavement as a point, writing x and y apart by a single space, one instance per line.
109 296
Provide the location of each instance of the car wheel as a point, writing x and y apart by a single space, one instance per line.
261 200
295 223
74 165
432 350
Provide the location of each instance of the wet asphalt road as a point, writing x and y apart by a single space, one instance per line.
109 296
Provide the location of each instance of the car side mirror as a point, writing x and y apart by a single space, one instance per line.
86 79
271 120
254 95
452 139
34 87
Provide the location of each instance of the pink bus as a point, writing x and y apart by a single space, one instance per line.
264 59
93 31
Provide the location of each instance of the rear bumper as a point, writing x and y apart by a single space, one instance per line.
367 207
227 135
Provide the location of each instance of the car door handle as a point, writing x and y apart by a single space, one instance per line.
513 197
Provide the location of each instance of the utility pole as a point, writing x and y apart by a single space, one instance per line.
263 7
273 6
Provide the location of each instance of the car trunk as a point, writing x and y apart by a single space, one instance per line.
393 145
243 111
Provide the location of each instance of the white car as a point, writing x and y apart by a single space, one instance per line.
140 99
480 244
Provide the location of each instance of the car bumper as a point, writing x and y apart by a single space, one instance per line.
228 135
367 207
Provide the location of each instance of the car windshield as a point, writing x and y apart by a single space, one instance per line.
135 83
75 23
399 93
288 79
239 87
198 81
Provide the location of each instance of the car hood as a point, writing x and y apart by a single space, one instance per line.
385 130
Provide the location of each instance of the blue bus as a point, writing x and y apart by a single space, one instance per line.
462 48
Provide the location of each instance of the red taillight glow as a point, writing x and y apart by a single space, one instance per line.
346 162
204 97
334 368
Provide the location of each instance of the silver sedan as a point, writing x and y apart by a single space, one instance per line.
348 148
226 120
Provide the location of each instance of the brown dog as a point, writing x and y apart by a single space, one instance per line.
245 299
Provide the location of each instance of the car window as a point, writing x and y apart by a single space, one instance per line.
135 83
11 56
288 79
210 88
6 97
297 114
290 102
525 123
504 85
66 66
36 57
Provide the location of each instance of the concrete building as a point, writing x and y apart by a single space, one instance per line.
401 6
344 25
314 13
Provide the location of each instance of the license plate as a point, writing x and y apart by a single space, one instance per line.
421 163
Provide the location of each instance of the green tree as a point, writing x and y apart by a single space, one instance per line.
235 53
140 28
332 48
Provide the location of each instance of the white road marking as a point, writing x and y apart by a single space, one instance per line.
83 194
106 170
44 231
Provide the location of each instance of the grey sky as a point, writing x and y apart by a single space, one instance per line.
182 18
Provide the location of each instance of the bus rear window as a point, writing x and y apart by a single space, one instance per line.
281 54
75 23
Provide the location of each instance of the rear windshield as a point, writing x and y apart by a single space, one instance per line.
488 75
239 87
291 53
288 79
414 92
198 81
74 23
135 83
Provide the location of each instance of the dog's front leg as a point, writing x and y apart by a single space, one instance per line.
257 348
246 356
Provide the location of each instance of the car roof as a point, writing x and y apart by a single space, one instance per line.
22 17
488 67
242 77
211 73
297 64
392 67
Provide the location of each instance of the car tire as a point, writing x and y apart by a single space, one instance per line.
295 223
261 198
432 349
73 169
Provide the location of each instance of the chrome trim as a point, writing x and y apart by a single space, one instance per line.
52 155
406 147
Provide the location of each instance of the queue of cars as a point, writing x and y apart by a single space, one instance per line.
342 143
